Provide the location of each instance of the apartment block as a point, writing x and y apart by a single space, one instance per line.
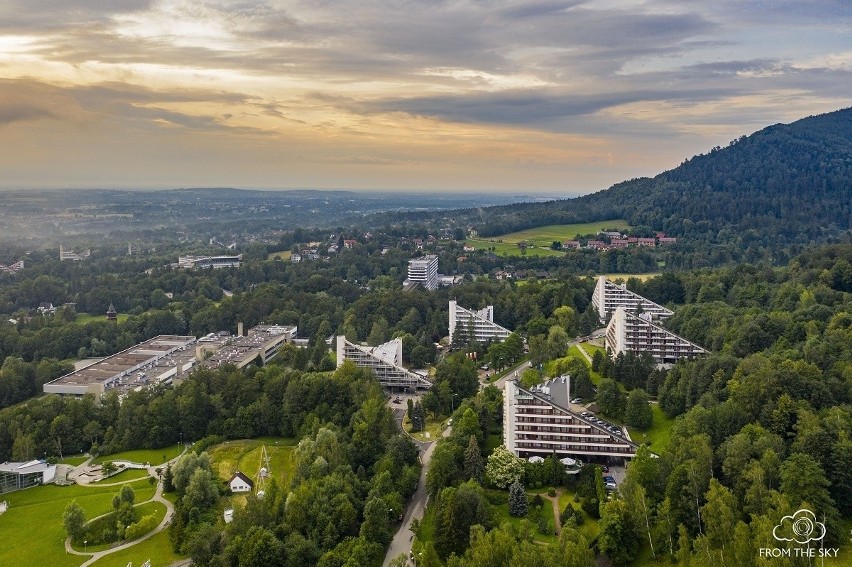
540 421
638 333
423 271
478 325
385 361
609 296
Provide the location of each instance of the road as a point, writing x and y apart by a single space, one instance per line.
401 543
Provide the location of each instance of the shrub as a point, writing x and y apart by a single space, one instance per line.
141 527
591 507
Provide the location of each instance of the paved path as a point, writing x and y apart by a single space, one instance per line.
401 542
158 497
554 501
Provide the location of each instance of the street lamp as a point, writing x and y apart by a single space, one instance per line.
453 402
85 546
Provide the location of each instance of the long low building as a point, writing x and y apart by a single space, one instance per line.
540 421
200 262
153 361
386 363
15 476
638 333
609 296
261 343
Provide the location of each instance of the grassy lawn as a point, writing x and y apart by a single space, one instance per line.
660 433
96 527
625 277
590 525
124 475
549 537
34 521
433 430
545 235
153 456
283 255
83 318
574 351
505 249
73 460
244 455
157 549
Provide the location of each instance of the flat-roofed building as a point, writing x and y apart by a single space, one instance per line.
15 476
638 333
540 421
262 344
154 361
385 361
200 262
609 296
475 325
423 271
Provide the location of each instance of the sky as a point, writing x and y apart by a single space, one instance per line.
544 96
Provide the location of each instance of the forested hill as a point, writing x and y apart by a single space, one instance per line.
786 184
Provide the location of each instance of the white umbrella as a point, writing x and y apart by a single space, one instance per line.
568 461
536 459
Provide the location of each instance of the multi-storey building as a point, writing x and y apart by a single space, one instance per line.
65 254
637 333
609 296
476 325
539 421
423 271
385 361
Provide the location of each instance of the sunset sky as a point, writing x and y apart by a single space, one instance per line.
545 96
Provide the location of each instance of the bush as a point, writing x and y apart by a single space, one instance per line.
141 527
591 507
570 512
551 492
537 501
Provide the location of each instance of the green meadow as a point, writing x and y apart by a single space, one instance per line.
539 239
35 517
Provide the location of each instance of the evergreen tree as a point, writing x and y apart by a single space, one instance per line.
474 464
518 503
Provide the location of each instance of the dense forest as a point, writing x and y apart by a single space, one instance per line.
762 425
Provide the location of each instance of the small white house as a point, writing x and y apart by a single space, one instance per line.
240 483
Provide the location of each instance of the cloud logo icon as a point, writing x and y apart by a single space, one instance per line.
801 527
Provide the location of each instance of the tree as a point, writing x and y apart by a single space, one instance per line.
168 483
459 508
518 503
638 411
618 538
74 520
610 398
473 461
503 468
377 522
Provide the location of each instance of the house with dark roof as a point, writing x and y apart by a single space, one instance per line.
240 483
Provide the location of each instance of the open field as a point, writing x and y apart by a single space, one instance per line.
123 475
157 548
659 435
504 249
284 255
244 455
545 235
625 277
95 528
153 456
34 521
83 318
74 460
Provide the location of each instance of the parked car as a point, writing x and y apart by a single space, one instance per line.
577 401
605 468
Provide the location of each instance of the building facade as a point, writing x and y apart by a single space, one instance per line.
638 333
423 271
609 296
386 363
15 476
198 262
539 422
240 483
475 325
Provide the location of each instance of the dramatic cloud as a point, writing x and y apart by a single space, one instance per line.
538 95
